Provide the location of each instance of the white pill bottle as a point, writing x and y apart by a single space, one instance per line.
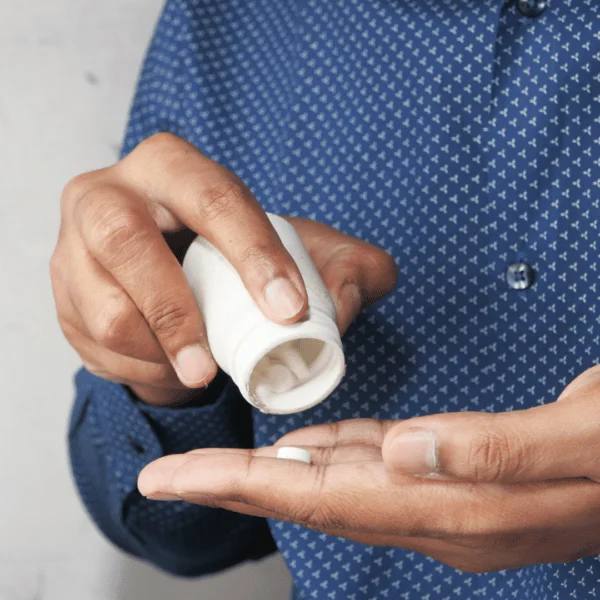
279 369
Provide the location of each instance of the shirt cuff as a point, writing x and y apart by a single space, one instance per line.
222 419
131 434
114 436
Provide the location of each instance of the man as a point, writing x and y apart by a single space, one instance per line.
460 137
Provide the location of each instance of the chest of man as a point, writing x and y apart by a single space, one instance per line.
460 136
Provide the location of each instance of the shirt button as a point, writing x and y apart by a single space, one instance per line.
135 445
531 8
519 276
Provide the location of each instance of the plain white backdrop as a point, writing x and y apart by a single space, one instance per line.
67 73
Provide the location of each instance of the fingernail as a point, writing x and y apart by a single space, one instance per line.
193 365
162 497
283 298
415 453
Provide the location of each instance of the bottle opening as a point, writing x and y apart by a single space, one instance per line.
296 375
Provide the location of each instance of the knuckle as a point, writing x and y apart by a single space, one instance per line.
492 457
262 254
162 144
110 328
164 151
218 200
74 190
114 231
349 253
162 140
348 264
166 318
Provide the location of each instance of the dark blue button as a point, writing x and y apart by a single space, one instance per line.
519 276
137 447
531 8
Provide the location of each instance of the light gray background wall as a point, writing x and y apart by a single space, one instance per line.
67 71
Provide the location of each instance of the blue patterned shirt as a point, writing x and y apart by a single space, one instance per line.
462 136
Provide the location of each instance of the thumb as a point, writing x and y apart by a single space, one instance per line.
356 277
355 272
555 441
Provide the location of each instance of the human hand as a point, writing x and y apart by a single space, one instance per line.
479 492
122 299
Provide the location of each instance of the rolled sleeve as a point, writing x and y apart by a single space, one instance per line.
112 436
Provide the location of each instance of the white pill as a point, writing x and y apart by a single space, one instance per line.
291 453
294 361
263 393
279 378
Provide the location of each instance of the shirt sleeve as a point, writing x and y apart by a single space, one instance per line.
112 436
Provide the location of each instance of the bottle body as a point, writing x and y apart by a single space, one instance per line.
278 368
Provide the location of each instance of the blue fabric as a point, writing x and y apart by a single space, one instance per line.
112 437
460 136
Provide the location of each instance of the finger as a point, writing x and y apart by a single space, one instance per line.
214 203
121 235
354 497
361 497
351 431
109 314
122 369
512 549
69 317
319 456
558 440
164 465
589 380
89 300
78 335
356 277
319 496
356 273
